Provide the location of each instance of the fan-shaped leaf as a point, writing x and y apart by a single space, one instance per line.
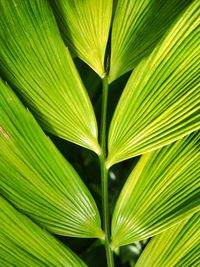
178 246
162 189
34 59
85 26
137 27
37 179
160 102
23 243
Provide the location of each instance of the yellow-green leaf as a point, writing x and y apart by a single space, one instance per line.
176 247
85 26
34 59
162 189
37 179
23 243
137 27
160 102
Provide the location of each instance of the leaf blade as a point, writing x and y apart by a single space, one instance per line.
161 190
160 103
24 243
37 179
137 28
35 61
178 246
85 26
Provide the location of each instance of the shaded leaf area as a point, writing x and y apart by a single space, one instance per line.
162 189
95 255
37 179
129 254
34 59
90 79
126 257
118 175
160 103
137 28
85 28
178 246
23 243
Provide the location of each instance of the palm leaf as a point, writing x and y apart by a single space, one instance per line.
23 243
85 26
162 189
37 179
137 27
34 59
178 246
160 102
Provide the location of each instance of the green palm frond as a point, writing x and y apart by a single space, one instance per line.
34 59
85 26
179 246
137 27
162 189
56 55
23 243
36 178
160 102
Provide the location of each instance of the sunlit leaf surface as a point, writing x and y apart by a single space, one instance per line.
23 243
162 189
179 246
160 102
85 26
34 59
36 178
137 27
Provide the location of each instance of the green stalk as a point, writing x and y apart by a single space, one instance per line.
104 175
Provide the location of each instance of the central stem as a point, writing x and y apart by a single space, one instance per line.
104 175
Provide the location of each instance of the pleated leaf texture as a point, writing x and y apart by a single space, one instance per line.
138 26
23 243
160 102
37 179
179 246
34 59
162 189
85 25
